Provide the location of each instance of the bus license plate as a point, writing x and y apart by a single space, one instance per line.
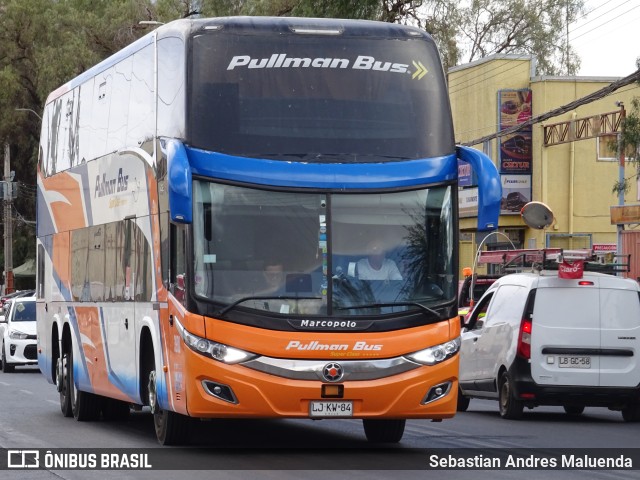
574 362
330 409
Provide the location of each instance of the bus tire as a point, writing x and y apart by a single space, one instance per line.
383 430
463 402
63 385
171 428
85 406
510 407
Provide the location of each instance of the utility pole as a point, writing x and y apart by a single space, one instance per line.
621 162
8 227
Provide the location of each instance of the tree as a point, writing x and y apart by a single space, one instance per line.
43 44
629 141
536 27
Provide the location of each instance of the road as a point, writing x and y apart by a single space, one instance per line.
30 418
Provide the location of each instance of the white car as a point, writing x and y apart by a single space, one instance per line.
537 339
18 334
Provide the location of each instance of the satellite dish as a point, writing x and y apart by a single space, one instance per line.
537 215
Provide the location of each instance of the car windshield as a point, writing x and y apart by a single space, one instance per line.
24 312
323 254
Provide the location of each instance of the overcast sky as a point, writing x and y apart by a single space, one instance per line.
608 38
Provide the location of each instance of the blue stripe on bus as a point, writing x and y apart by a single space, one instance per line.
316 175
125 383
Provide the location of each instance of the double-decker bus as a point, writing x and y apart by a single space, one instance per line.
255 217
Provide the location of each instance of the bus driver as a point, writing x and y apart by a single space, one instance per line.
376 266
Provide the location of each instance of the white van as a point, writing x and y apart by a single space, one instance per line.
537 339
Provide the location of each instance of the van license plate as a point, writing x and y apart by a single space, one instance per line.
331 409
574 362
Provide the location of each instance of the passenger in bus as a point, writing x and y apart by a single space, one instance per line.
274 277
376 266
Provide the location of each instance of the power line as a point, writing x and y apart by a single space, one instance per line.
597 95
495 125
603 24
461 79
599 16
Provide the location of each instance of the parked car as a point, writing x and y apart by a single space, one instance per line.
6 299
537 339
18 334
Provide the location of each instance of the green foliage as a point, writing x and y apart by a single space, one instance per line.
629 143
535 27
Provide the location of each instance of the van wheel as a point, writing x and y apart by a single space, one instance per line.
383 430
463 401
6 367
573 409
631 413
510 407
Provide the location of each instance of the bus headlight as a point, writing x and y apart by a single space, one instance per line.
437 353
217 351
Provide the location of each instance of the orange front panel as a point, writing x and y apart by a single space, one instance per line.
333 345
263 395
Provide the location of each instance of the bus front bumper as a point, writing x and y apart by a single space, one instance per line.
217 390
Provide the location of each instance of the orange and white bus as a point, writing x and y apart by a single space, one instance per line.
255 217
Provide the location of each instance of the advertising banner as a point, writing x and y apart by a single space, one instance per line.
514 108
516 192
573 270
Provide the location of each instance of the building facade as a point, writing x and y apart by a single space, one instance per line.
568 161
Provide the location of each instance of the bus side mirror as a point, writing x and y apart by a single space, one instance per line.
489 187
180 184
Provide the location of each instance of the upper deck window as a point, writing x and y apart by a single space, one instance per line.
317 99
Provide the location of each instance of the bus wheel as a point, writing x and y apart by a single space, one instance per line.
115 410
85 405
383 430
463 402
510 407
63 386
171 427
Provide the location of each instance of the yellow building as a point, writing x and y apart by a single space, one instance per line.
575 178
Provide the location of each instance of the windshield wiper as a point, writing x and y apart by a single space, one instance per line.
422 307
233 305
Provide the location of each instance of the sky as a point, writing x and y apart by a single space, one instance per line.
607 38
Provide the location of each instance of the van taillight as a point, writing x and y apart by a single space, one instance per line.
524 339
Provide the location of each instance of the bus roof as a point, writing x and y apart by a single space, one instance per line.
306 26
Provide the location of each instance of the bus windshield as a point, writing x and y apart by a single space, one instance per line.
290 97
325 254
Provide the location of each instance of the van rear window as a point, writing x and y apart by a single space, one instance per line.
587 307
